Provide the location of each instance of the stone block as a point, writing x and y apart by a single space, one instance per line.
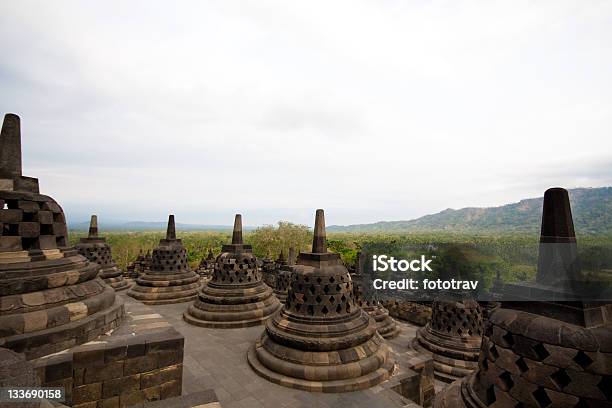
170 389
29 229
11 216
140 364
113 369
122 385
86 393
10 243
112 402
132 398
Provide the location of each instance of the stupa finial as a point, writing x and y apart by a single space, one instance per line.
237 233
171 231
93 227
319 241
10 146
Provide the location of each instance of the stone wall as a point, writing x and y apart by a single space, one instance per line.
121 370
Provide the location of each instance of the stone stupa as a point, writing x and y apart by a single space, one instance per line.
321 340
169 278
545 350
207 265
97 250
51 298
453 336
235 296
387 327
282 278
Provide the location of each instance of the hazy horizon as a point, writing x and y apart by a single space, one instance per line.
371 110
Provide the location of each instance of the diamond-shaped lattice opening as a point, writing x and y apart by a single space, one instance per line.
522 365
298 306
494 353
343 298
561 379
605 385
583 360
319 280
540 351
312 289
459 332
338 288
541 397
490 395
331 279
509 339
505 381
310 310
339 308
318 299
325 310
485 364
332 299
326 289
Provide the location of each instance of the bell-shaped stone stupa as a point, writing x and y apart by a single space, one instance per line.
169 278
51 298
536 353
236 295
97 250
321 340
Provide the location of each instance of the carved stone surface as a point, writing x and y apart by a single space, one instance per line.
97 250
51 298
321 340
236 295
268 272
541 354
15 372
207 266
416 313
453 336
169 278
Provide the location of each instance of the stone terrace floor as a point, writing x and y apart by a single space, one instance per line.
216 358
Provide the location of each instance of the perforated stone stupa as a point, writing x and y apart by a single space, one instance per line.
51 298
321 340
547 353
97 250
236 295
207 265
169 278
453 336
282 278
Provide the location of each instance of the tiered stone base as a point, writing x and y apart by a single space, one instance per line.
52 340
454 357
531 360
385 325
52 301
114 278
342 357
160 289
230 307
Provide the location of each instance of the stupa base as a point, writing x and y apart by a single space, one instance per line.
368 380
254 314
48 341
446 368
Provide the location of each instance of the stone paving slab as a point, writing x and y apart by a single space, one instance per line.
216 359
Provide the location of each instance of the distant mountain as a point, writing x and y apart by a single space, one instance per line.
149 226
591 209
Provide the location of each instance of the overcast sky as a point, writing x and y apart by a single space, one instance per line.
374 110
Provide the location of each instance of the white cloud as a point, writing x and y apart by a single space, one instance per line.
373 110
